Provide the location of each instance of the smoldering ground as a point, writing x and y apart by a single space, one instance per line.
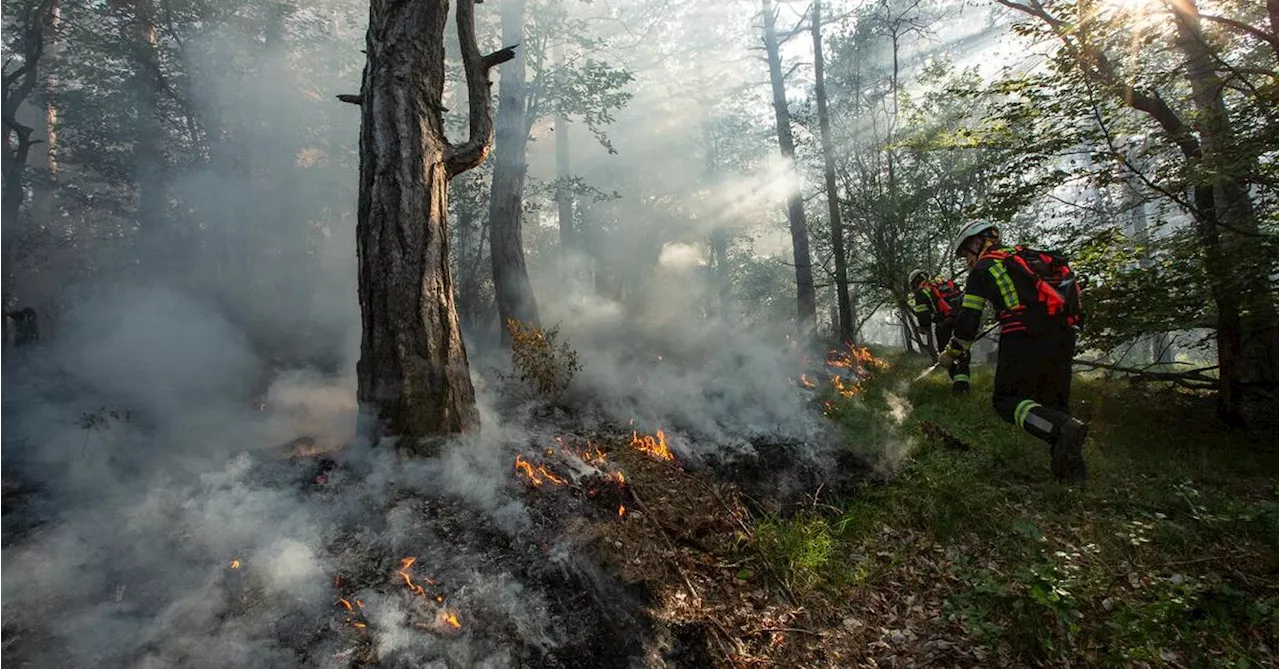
182 533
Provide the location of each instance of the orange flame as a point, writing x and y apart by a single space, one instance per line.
804 381
655 447
450 618
617 477
622 510
408 580
345 604
235 564
538 475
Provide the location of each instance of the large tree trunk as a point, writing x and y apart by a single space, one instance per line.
413 374
1247 346
806 309
511 285
19 82
844 327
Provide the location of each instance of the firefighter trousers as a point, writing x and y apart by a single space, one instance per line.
1033 381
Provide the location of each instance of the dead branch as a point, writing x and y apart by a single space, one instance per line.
461 157
932 431
351 99
1190 378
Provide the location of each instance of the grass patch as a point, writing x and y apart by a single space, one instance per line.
1167 556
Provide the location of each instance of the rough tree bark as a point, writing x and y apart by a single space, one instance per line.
511 286
1250 322
18 83
844 313
806 309
413 373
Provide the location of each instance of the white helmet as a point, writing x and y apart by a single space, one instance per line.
915 275
971 230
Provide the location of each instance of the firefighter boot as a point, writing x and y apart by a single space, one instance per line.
960 384
1065 435
1068 460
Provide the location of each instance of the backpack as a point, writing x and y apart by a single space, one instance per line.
946 296
1057 287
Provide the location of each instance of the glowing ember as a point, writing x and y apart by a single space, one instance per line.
346 605
622 510
537 475
235 564
655 447
450 618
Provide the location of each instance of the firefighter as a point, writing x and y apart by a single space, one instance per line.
1038 323
938 301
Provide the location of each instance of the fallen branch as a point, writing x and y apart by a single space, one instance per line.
932 431
1191 378
351 99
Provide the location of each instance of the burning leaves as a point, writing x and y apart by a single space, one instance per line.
588 476
446 620
656 447
537 475
235 564
846 370
355 610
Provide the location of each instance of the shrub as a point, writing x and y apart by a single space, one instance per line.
543 366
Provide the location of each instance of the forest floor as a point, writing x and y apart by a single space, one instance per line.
965 552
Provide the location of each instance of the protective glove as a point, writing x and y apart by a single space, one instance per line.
949 355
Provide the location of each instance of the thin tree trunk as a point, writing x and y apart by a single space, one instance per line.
149 167
47 128
806 308
413 373
844 326
511 286
1247 346
564 198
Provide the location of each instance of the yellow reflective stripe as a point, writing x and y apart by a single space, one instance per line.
1005 283
973 302
1024 408
961 377
920 308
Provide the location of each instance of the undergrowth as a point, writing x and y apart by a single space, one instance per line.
1166 557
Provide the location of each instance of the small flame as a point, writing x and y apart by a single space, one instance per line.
622 510
655 447
617 477
408 580
235 564
345 604
451 619
537 475
359 625
804 381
